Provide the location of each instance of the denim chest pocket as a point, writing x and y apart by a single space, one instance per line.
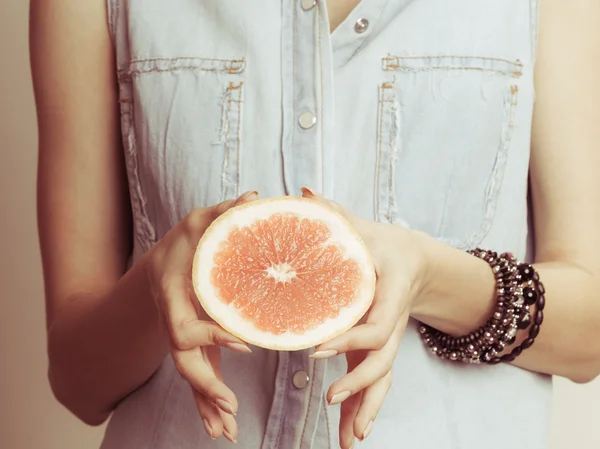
445 125
181 122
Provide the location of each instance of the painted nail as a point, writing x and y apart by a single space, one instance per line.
239 347
244 196
309 191
230 437
208 428
367 431
339 397
225 406
324 354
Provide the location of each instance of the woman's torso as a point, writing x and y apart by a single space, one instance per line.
416 112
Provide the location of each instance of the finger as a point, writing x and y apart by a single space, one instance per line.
348 412
210 414
181 319
374 366
381 321
251 195
204 333
371 401
230 428
219 209
177 309
194 367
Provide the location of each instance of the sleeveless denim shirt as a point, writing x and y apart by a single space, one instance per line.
415 112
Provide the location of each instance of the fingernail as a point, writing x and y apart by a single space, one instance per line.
324 354
208 428
309 191
225 406
229 436
244 196
239 347
367 431
339 397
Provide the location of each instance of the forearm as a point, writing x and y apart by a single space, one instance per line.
459 296
101 348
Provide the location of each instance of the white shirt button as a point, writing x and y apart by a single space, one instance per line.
307 120
308 4
361 25
300 379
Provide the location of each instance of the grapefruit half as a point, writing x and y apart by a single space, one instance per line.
283 273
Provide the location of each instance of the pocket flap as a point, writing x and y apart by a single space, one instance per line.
427 63
140 66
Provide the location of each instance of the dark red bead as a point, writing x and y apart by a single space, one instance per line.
541 288
530 296
526 271
541 302
534 331
539 317
527 343
524 321
494 361
516 352
507 358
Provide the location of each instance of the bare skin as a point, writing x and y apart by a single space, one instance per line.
85 222
338 10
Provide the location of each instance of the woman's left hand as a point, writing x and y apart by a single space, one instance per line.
371 345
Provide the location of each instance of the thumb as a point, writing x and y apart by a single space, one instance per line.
311 194
247 197
221 208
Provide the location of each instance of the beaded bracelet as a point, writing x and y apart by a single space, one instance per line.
518 289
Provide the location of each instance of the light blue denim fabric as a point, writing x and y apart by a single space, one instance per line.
423 118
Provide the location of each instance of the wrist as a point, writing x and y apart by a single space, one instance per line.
458 289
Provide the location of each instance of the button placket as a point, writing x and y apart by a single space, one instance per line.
302 165
306 161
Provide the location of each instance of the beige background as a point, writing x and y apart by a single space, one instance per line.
29 416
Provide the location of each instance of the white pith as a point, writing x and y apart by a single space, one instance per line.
342 235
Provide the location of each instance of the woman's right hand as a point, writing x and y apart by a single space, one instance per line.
195 340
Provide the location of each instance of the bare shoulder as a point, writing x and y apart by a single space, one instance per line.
566 131
82 194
